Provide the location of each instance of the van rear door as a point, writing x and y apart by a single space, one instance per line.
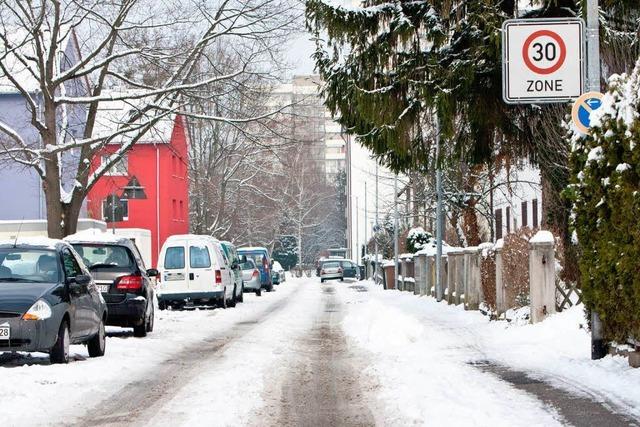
174 278
202 276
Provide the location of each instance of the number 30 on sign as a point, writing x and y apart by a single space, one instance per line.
542 60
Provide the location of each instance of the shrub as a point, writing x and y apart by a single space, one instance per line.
488 277
515 267
605 191
417 239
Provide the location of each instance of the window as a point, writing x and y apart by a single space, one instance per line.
524 214
498 223
508 219
133 190
199 257
174 209
182 216
173 164
29 265
174 258
71 266
120 167
115 209
108 256
534 212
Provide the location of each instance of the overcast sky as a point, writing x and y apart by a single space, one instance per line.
299 54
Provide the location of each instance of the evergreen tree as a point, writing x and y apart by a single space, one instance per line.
606 193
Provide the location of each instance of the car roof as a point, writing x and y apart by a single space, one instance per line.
192 237
253 249
33 242
102 238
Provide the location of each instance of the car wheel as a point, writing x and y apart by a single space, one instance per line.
59 353
162 305
342 279
140 331
151 321
258 292
232 301
223 301
321 280
241 297
270 289
97 344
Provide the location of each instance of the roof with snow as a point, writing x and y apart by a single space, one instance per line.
112 115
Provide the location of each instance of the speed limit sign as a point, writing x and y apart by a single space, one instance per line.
542 60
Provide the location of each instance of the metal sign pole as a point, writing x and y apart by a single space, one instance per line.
439 290
395 232
598 345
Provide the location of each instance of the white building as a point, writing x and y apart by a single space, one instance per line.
517 199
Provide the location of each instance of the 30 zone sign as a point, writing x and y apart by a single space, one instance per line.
542 60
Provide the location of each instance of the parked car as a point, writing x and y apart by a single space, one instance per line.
234 261
277 268
331 270
261 257
251 277
349 269
48 300
121 276
322 260
193 270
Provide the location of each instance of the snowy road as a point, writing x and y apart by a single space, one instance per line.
345 354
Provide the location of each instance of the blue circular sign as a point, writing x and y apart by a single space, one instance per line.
582 109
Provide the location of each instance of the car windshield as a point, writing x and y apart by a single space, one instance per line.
249 265
331 265
104 256
29 265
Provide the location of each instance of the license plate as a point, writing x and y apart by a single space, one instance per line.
103 288
5 332
168 277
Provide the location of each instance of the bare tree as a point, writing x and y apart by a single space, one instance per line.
153 49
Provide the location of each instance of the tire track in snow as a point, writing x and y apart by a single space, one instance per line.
322 386
136 402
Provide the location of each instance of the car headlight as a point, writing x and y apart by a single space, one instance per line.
39 311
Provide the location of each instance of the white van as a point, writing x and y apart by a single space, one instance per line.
193 270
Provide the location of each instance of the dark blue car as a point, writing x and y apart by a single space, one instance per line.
48 300
261 257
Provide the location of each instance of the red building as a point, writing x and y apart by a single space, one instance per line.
149 188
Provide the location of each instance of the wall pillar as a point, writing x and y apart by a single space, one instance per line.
542 280
472 274
501 299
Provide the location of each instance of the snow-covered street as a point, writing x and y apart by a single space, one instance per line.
340 353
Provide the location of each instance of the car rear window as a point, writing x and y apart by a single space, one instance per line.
249 265
257 257
331 265
29 265
174 258
107 256
199 257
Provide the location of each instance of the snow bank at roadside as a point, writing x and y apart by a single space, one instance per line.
421 350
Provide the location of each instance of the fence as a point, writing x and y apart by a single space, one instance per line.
466 271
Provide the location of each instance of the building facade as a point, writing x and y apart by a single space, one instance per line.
149 187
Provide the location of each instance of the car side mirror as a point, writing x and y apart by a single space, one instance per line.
82 279
152 272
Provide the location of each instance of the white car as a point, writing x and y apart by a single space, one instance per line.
194 270
331 270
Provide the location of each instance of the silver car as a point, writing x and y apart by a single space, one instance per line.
251 277
330 270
